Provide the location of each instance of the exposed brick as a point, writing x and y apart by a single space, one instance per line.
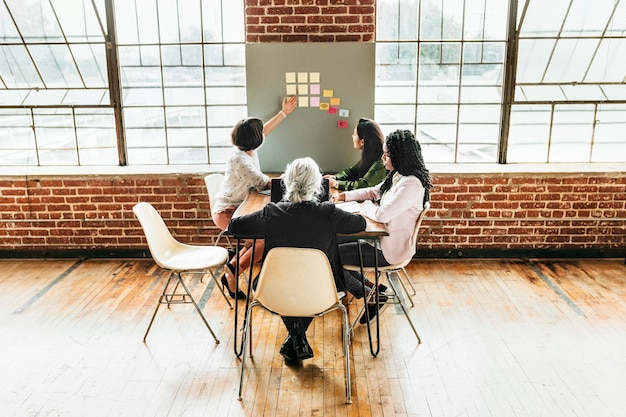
272 20
298 38
306 10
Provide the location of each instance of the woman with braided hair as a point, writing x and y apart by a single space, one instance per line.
397 202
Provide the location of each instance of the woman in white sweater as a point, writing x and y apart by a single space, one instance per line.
396 202
243 172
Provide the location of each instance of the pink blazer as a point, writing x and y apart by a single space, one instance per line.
398 210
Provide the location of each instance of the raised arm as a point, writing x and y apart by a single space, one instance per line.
289 104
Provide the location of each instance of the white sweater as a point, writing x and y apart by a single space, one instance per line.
243 172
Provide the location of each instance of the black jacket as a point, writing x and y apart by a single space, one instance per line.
303 225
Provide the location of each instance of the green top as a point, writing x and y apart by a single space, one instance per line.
348 178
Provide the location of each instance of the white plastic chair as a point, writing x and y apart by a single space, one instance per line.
213 183
297 282
396 268
179 259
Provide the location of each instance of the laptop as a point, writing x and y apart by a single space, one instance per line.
278 189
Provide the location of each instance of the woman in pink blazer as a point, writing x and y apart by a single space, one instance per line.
396 202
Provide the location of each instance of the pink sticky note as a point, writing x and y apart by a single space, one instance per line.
332 110
342 124
315 89
314 101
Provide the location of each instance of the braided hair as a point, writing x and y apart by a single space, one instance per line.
406 157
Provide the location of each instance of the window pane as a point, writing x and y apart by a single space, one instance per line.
571 132
532 59
441 20
609 64
567 52
544 18
14 57
483 19
179 21
609 144
529 134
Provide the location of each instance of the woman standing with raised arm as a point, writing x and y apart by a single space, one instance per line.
369 170
243 172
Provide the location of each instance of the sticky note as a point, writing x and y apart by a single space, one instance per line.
344 112
291 89
303 77
328 93
303 89
335 101
290 77
314 77
303 102
324 106
314 101
314 89
342 124
332 110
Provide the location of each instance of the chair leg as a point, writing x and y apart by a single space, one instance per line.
219 286
404 289
408 279
404 310
170 297
244 335
346 351
193 301
161 298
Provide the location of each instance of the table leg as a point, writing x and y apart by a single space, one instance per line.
374 350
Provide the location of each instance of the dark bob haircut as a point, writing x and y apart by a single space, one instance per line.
247 134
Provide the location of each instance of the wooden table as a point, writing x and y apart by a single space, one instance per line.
255 201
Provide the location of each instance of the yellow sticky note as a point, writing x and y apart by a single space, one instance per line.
314 77
303 89
324 106
290 77
303 101
328 93
335 101
303 77
291 89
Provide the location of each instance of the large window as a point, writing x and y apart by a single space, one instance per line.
160 82
442 71
180 84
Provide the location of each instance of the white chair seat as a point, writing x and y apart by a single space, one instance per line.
188 258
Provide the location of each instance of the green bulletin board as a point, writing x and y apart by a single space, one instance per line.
334 83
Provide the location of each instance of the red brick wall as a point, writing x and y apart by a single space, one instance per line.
310 21
472 215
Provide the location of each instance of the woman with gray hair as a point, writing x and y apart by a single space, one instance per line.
300 220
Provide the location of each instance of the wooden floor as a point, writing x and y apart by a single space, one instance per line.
500 338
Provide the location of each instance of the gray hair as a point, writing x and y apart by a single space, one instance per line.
303 180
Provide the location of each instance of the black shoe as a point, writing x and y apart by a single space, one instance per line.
373 309
288 353
301 347
240 294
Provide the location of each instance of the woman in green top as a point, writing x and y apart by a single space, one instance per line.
370 170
